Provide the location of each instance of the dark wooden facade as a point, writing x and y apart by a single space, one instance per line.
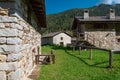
39 9
81 25
26 9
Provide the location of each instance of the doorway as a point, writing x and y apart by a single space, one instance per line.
61 43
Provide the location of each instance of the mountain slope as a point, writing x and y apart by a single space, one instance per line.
63 20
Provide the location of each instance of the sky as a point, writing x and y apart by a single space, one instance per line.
56 6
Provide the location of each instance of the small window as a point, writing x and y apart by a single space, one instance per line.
118 40
112 11
61 38
86 11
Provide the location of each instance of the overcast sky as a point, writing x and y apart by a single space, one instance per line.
56 6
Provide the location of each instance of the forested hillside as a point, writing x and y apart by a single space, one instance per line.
63 21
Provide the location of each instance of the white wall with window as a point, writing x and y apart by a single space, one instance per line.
62 39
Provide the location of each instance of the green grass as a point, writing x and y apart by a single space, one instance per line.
70 65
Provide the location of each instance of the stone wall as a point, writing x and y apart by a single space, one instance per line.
19 43
102 39
118 42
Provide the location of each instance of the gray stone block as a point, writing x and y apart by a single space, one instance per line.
2 40
2 75
6 49
14 40
2 25
14 57
17 75
16 26
11 66
8 19
1 50
8 32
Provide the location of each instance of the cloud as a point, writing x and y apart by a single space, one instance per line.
109 1
117 1
106 1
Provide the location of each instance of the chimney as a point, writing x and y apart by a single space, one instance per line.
86 14
112 14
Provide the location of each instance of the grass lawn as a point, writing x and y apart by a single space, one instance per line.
70 65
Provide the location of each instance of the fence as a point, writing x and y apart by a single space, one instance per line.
45 58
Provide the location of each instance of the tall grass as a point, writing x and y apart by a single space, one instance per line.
70 65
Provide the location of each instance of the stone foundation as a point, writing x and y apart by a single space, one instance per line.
118 42
102 39
19 43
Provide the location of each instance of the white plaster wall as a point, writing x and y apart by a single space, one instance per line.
66 39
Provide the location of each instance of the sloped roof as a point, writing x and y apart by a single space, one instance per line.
98 18
54 34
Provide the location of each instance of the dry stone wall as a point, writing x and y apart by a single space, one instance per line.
102 39
118 42
19 43
118 45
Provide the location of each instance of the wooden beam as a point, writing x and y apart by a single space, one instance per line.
92 47
39 11
37 2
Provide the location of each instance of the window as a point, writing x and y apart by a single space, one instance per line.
61 38
118 40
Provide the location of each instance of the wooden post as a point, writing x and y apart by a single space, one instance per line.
99 44
73 47
90 56
38 49
110 59
79 50
52 57
37 59
93 41
87 37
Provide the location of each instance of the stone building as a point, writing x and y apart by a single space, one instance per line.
99 31
20 39
58 38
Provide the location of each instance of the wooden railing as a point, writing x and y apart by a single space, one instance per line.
111 53
47 58
99 47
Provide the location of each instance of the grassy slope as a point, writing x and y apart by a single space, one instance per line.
72 66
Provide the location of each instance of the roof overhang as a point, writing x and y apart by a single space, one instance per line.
87 21
39 9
